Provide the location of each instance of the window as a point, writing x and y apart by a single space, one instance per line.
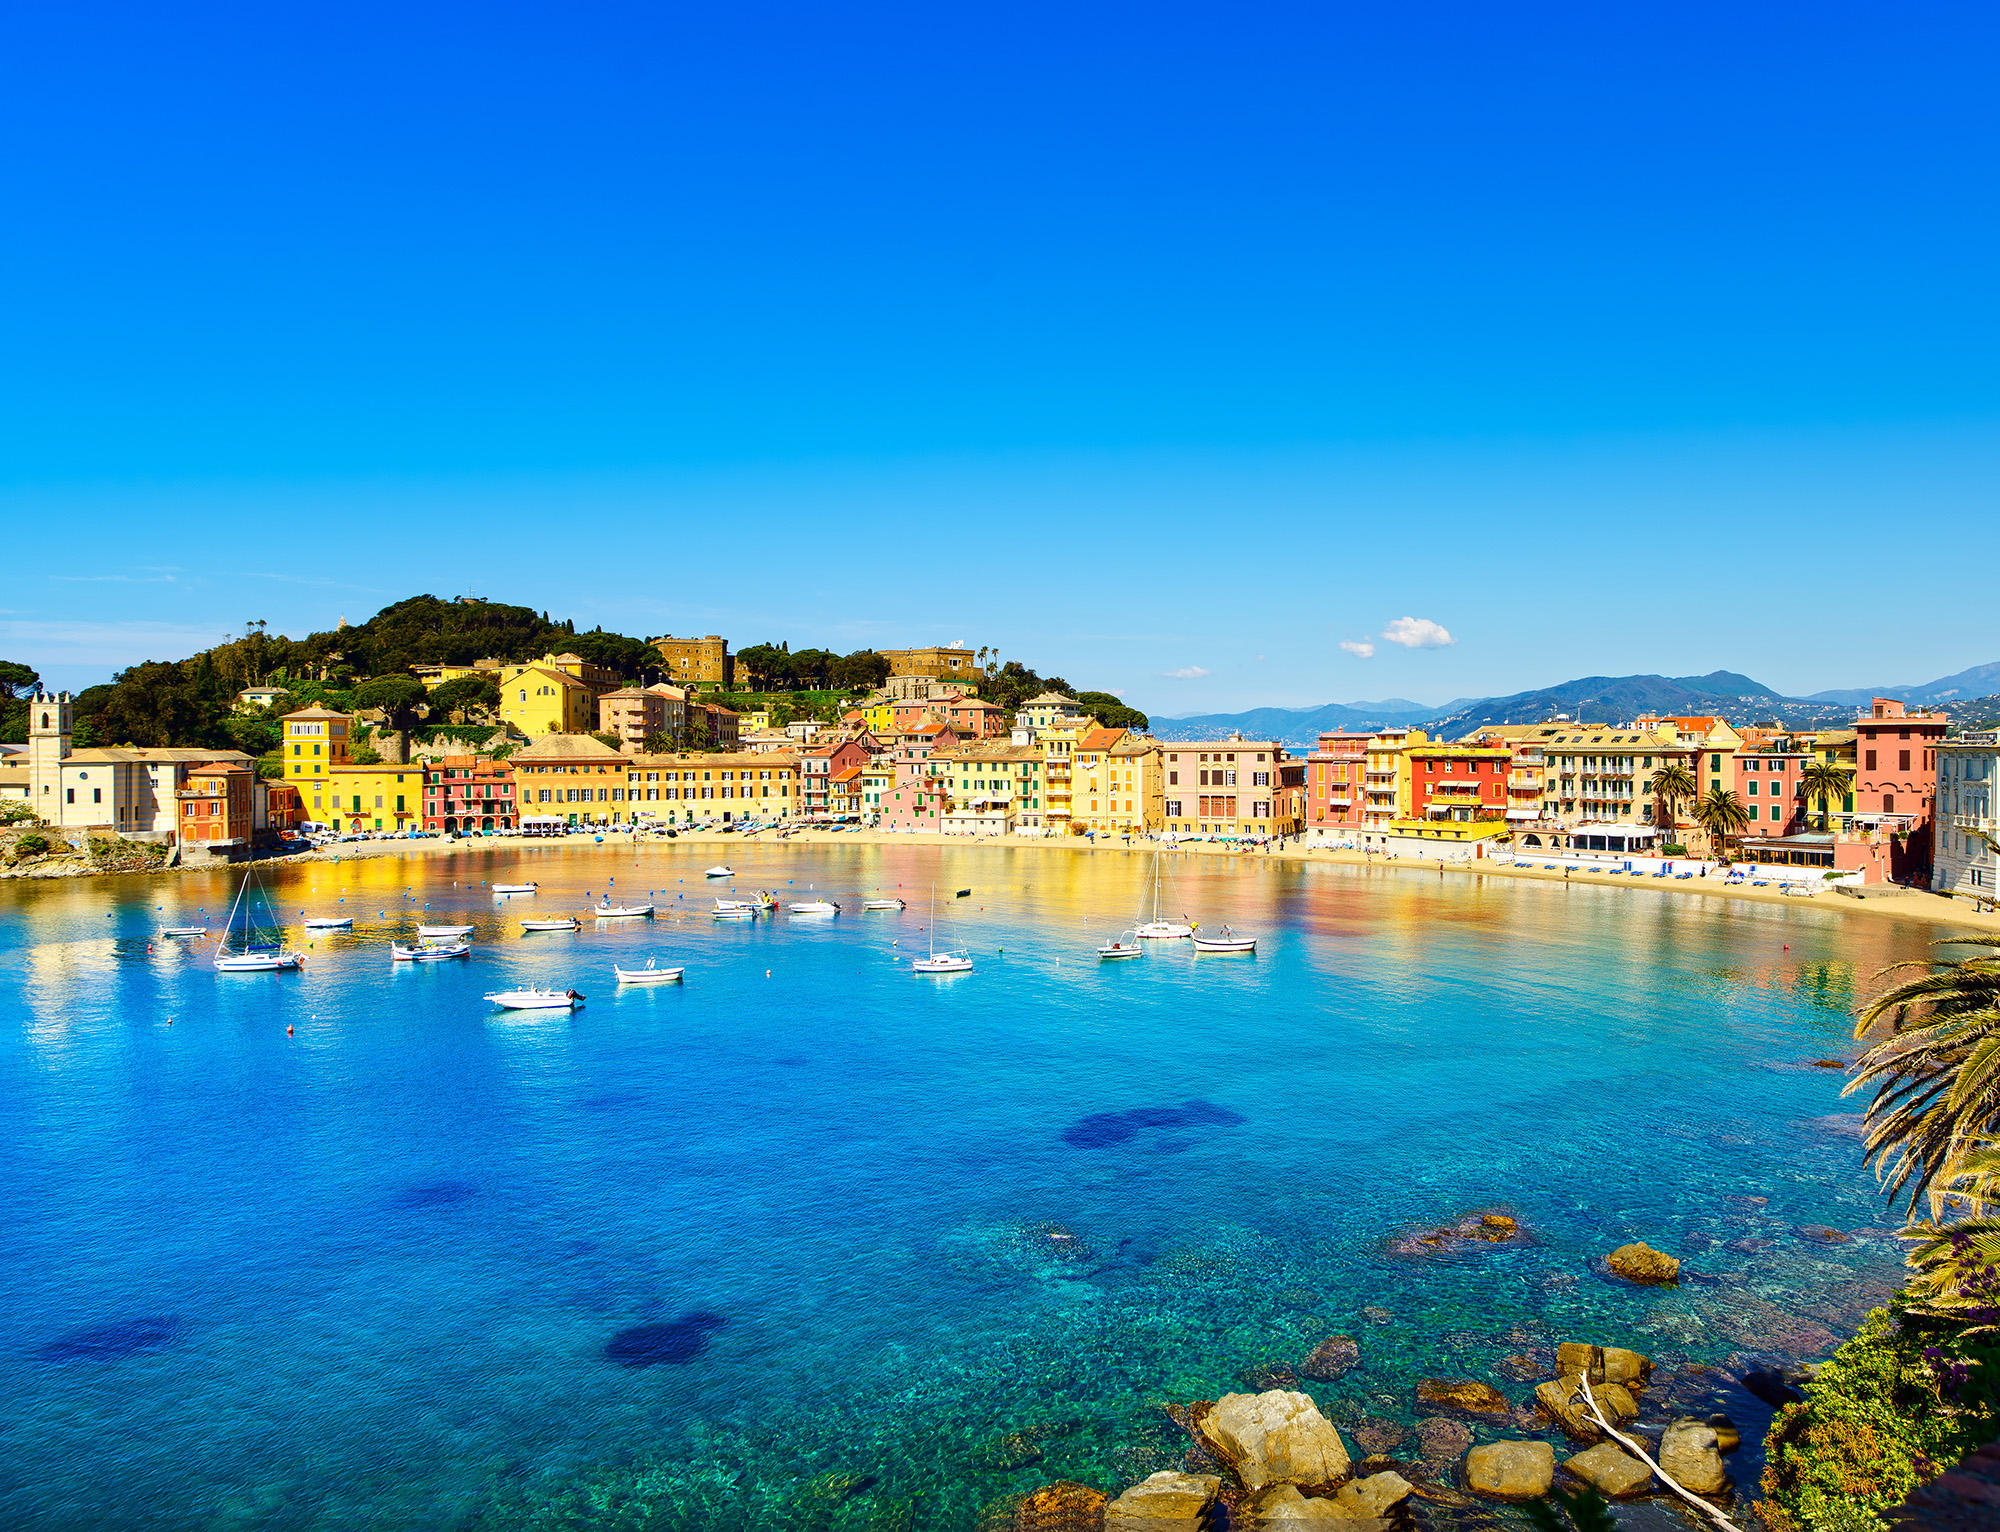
1868 761
1902 760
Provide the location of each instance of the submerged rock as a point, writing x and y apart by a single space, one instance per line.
675 1342
1441 1440
1275 1437
1166 1502
1639 1262
1690 1456
1822 1234
1603 1364
1609 1468
1061 1507
1282 1505
1375 1434
1332 1358
1375 1314
109 1342
1467 1394
1104 1130
1510 1470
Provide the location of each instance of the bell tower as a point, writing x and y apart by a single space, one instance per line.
49 723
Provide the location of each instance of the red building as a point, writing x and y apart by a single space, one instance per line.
1895 782
217 810
1768 783
1462 783
469 792
1333 795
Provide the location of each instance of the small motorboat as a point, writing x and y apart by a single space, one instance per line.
536 999
516 888
428 952
719 871
738 906
650 974
735 914
942 962
567 923
610 911
1228 941
428 931
330 923
882 904
1117 947
185 931
814 907
1162 930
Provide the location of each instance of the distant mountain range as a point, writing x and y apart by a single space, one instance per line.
1596 699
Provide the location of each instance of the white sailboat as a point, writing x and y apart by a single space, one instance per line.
241 953
1157 929
953 960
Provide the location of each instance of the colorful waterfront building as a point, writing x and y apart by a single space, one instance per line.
1051 710
1965 844
992 787
546 699
468 792
1333 785
1232 786
634 713
570 779
687 788
217 814
387 796
1117 784
1385 776
1458 784
1769 781
818 764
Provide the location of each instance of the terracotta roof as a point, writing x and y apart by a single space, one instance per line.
623 691
847 774
1100 739
567 747
1135 744
775 761
315 712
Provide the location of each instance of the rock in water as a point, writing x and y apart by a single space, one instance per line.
1466 1394
1510 1470
1611 1469
1689 1456
1332 1358
1442 1440
1167 1502
1275 1437
1282 1505
1061 1507
1562 1401
1821 1234
1642 1264
1373 1495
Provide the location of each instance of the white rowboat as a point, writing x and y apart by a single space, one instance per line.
537 999
516 888
330 923
428 952
882 904
185 931
621 911
444 930
648 975
566 924
1228 941
814 907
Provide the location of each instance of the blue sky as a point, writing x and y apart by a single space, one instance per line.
1167 348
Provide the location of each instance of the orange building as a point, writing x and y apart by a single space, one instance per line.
216 807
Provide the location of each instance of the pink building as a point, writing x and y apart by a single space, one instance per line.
1333 783
1768 783
915 802
1895 782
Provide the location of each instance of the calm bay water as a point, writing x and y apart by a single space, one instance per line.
809 1214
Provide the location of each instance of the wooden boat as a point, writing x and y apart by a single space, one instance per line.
428 952
444 930
650 974
1228 941
566 923
330 923
536 999
610 911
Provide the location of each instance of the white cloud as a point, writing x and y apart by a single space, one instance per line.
1359 647
1186 673
1417 633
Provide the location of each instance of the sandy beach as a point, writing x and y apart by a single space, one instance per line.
1876 901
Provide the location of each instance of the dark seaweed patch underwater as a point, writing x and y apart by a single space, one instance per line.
1101 1130
680 1340
109 1342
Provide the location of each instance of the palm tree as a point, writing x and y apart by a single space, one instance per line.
1955 1263
1937 1073
1673 784
1828 783
1722 814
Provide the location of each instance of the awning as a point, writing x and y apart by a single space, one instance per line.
1519 814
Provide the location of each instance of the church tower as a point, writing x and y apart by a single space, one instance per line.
49 723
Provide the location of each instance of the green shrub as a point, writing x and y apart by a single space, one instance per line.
1893 1408
1673 851
32 844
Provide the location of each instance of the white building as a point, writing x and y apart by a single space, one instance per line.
1965 860
130 789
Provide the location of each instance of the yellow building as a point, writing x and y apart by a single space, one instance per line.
1385 780
542 699
573 778
879 716
993 786
684 789
315 741
434 676
704 664
356 799
1117 784
938 661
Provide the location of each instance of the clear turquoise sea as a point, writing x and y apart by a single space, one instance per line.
683 1252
